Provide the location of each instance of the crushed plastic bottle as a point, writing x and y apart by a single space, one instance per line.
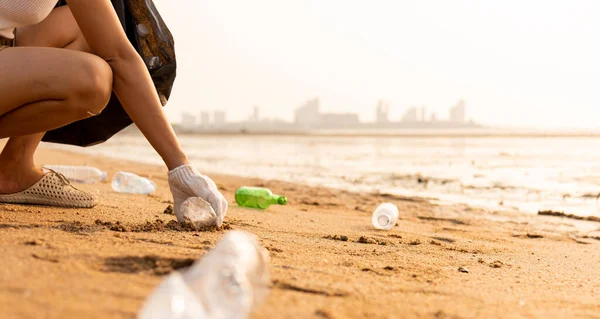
172 299
198 211
124 182
79 174
227 283
385 216
233 278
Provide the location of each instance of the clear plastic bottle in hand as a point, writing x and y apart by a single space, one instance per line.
124 182
385 216
198 211
79 174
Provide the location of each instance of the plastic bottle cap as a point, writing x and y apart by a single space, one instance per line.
282 200
383 220
103 176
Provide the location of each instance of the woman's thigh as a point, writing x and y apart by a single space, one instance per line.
35 74
49 63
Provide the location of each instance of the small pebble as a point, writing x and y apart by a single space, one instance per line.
463 269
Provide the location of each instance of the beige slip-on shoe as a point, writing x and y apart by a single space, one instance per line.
52 189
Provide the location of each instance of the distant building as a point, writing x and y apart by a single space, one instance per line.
205 119
219 118
458 113
422 117
188 121
381 115
256 114
308 115
341 120
410 115
433 118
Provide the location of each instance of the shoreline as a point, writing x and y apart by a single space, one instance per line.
481 132
66 263
397 134
437 199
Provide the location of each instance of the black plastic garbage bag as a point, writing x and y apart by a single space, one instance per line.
152 39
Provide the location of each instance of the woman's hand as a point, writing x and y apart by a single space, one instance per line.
185 182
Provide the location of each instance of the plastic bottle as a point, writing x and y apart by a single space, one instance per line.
79 174
385 216
198 211
233 278
172 299
257 197
124 182
227 283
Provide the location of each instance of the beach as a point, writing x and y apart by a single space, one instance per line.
327 261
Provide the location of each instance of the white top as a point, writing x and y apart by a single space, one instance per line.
19 13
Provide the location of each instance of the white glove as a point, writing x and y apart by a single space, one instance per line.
185 181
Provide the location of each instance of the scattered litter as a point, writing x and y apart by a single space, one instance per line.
79 174
257 197
228 282
130 183
385 216
199 212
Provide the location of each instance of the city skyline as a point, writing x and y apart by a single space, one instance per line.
310 116
524 64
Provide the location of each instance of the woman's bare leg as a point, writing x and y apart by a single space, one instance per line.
47 89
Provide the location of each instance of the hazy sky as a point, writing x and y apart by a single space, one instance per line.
515 62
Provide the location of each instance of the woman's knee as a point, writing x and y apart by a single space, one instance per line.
93 85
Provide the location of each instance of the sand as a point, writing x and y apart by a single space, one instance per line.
327 261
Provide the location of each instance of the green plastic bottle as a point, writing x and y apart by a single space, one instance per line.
257 197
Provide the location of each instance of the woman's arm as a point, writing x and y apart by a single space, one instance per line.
133 86
132 83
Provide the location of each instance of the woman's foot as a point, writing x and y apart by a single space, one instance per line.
15 177
53 189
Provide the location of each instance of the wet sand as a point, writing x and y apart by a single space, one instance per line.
327 261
